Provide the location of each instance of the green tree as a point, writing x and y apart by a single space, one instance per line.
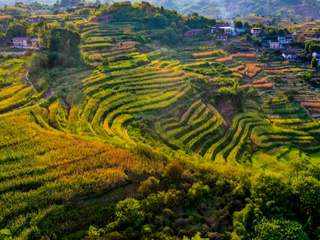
5 234
128 214
18 28
314 63
246 25
238 24
277 229
64 48
173 171
196 237
149 186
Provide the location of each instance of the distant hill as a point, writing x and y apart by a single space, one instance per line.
298 10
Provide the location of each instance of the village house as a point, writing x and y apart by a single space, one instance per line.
240 30
21 42
228 30
274 44
215 29
289 56
35 43
285 39
296 33
256 31
34 20
223 38
192 32
316 55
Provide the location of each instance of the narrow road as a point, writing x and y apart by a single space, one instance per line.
31 82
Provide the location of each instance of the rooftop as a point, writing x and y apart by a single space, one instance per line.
20 38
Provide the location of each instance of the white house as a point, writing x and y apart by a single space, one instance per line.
228 30
285 40
289 56
274 44
256 31
21 42
316 55
223 38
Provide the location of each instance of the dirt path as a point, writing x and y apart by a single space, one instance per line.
31 82
129 136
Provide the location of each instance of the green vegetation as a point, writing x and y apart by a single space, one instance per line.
121 127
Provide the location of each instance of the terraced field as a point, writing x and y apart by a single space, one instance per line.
165 99
15 90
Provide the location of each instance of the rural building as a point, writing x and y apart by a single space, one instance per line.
228 30
34 20
289 56
285 39
256 31
35 43
223 38
274 44
297 34
241 30
192 32
21 42
215 29
316 55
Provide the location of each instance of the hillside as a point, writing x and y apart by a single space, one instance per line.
119 126
298 10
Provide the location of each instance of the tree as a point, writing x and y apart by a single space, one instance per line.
314 62
150 185
2 35
246 25
196 237
129 214
281 32
64 48
39 61
238 24
173 171
279 229
18 28
56 12
5 234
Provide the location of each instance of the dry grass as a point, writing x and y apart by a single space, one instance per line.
4 17
264 85
209 54
311 104
260 81
251 69
232 56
